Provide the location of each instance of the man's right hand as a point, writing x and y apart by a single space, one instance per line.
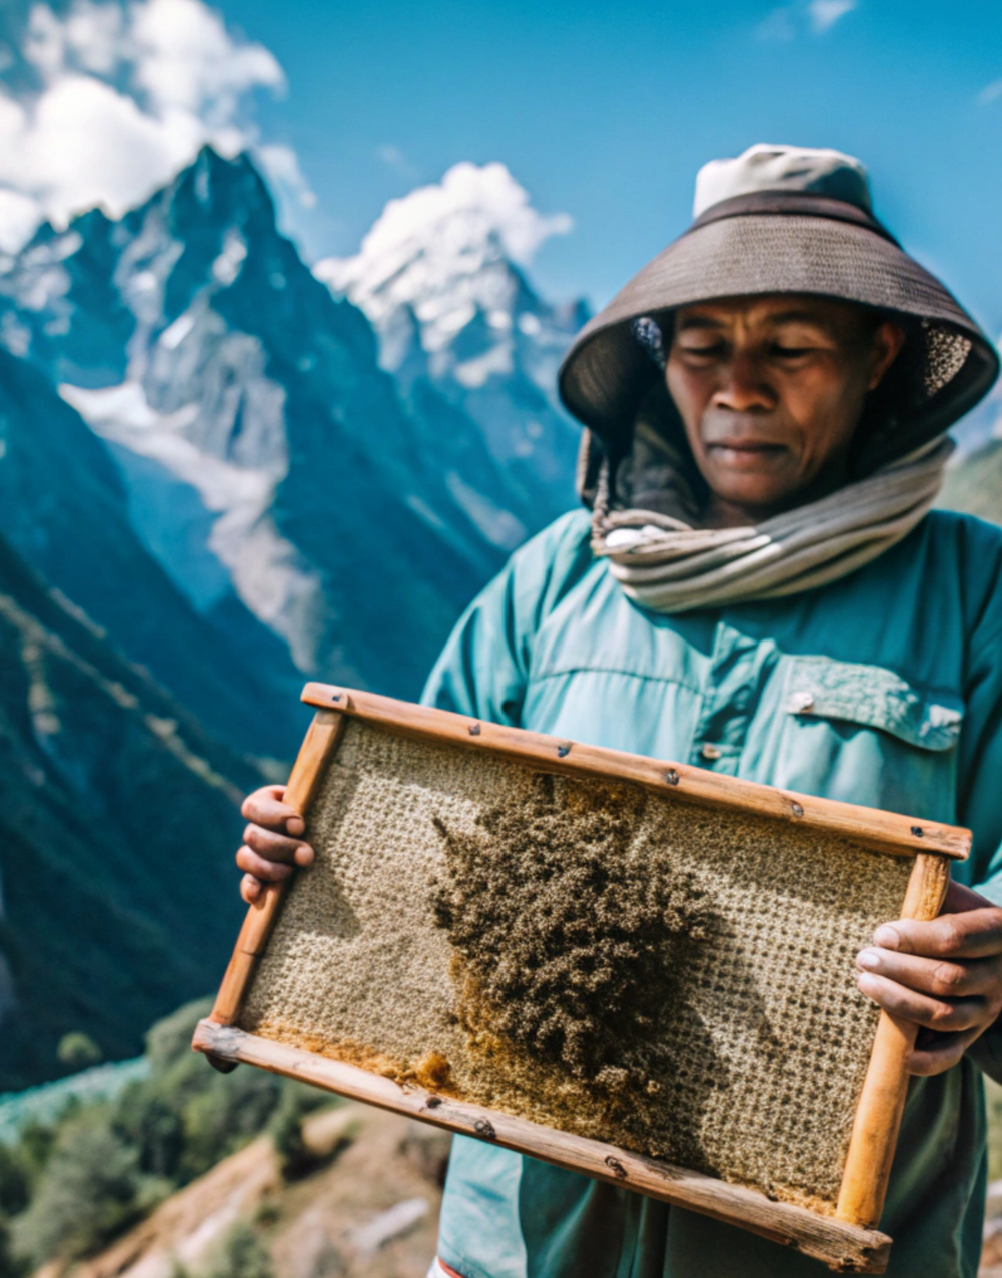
273 843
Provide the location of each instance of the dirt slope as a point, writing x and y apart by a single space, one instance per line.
370 1210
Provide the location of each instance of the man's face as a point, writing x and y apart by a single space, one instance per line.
770 390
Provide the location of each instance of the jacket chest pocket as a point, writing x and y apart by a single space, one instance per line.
863 734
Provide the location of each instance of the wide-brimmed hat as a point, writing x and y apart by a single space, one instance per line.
785 220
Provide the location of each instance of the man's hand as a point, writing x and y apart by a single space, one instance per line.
273 842
945 976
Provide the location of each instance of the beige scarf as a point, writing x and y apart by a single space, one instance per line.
669 566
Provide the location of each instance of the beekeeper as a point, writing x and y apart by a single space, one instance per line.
757 584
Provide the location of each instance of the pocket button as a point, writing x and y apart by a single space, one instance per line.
711 752
803 701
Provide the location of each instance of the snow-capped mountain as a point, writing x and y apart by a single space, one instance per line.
275 470
65 508
439 277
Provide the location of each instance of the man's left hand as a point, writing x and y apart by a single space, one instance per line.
945 976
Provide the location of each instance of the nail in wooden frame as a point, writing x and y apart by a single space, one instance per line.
849 1241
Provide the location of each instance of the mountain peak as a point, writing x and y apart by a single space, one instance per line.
217 190
450 253
210 166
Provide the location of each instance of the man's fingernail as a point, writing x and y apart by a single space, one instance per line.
868 958
886 937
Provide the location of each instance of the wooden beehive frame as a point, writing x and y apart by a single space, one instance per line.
848 1241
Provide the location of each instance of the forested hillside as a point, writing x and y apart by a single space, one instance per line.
118 819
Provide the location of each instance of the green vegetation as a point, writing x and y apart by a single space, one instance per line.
993 1096
240 1254
975 484
112 797
69 1187
78 1051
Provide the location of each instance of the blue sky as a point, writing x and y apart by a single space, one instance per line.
605 111
602 112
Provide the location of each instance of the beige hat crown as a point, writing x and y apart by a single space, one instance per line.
783 168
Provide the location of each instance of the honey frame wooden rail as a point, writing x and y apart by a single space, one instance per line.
847 1241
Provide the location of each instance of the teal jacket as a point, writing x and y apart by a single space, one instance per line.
900 666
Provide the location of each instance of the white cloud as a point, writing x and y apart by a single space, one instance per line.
85 144
186 60
128 91
94 32
281 164
90 36
825 13
784 23
990 92
470 204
